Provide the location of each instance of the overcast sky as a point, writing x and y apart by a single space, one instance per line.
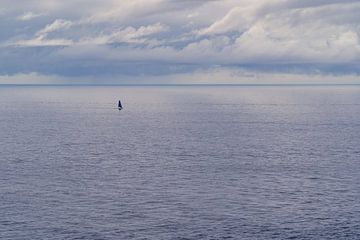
179 41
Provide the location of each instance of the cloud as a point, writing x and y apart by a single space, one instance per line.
2 11
126 35
58 24
129 10
43 42
216 75
237 19
162 37
29 78
29 16
41 39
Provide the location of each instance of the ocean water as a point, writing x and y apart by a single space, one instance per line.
226 162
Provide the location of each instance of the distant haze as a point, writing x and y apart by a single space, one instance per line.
186 41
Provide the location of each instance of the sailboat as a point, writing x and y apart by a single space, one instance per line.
120 107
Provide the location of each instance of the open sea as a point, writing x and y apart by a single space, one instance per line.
179 162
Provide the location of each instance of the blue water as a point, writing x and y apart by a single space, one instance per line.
248 162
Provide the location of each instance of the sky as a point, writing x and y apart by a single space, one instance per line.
179 41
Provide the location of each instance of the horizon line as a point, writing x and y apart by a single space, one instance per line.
172 84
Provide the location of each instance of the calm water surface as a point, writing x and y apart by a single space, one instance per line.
180 163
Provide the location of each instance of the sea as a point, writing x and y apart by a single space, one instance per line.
180 162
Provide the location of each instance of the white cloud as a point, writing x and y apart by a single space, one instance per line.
121 10
277 39
237 19
58 24
29 16
127 35
42 42
41 37
197 33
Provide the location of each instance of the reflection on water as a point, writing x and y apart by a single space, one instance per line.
179 163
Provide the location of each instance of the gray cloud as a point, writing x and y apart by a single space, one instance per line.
164 37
